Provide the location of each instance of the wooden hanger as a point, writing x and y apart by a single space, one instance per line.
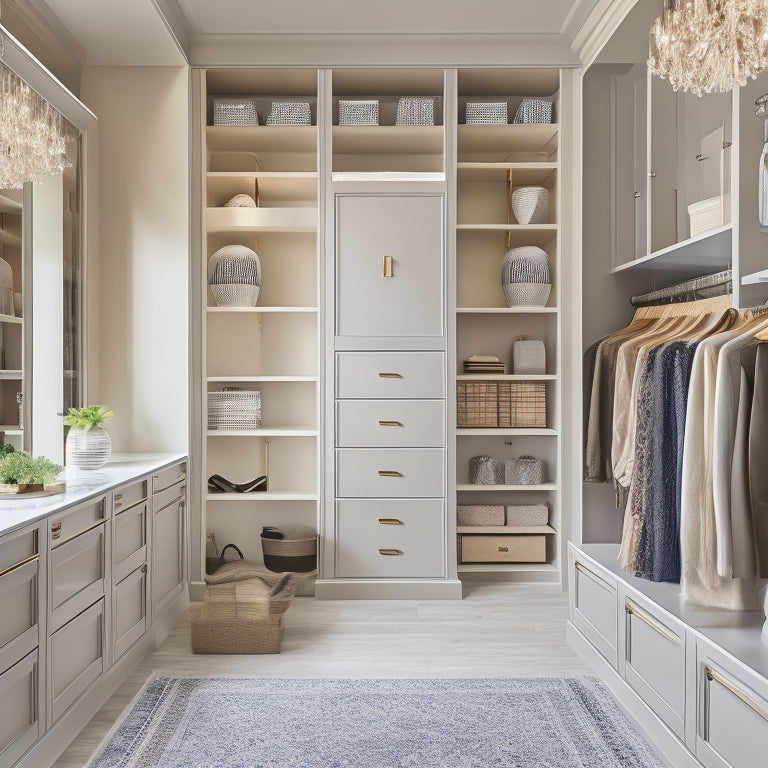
686 308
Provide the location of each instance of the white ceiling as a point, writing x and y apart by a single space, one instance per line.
162 32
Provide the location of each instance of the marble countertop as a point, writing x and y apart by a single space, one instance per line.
16 512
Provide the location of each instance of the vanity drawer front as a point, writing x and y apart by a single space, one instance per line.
655 662
19 628
130 495
130 540
76 576
71 523
596 608
19 709
165 478
130 610
732 727
77 657
390 472
383 375
15 548
378 538
390 423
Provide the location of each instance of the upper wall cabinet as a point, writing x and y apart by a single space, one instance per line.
670 165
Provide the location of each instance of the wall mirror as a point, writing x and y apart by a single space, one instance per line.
43 258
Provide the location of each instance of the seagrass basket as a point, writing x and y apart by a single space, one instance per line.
523 404
477 404
296 551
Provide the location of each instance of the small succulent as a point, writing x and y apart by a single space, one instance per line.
20 467
88 417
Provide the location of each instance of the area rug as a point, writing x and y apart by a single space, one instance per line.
267 723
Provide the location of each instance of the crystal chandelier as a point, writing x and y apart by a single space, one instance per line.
35 140
709 45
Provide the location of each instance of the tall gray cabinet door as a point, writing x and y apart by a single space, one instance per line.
389 265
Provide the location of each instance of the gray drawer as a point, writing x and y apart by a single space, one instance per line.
130 609
77 657
655 662
390 472
390 423
16 548
19 609
76 577
66 525
165 478
596 608
130 550
376 538
383 375
130 495
19 709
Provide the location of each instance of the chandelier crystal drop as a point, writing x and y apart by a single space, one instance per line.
35 140
703 46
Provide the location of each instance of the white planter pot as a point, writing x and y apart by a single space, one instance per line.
88 449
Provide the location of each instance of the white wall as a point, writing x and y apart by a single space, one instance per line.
142 254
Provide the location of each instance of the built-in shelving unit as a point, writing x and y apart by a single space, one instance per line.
490 158
272 347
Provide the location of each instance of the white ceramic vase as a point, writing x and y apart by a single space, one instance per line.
88 449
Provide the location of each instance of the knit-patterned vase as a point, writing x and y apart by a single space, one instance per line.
234 274
88 448
525 276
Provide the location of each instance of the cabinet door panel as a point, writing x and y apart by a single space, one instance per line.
167 554
130 540
19 610
19 710
596 608
405 299
130 607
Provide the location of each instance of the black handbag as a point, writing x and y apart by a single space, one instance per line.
212 564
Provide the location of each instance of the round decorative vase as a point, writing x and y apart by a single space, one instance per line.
525 470
88 449
530 205
525 276
234 274
485 470
240 201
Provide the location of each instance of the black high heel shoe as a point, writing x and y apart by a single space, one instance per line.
219 484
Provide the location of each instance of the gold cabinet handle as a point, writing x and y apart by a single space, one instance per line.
390 521
118 500
503 549
654 625
390 424
386 266
390 552
713 674
389 473
390 375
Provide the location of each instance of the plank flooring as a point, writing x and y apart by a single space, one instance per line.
497 630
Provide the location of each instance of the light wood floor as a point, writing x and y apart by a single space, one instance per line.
498 630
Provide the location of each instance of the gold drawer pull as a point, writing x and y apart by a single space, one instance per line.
390 552
26 560
390 521
118 500
503 549
654 625
390 424
55 531
390 375
389 473
386 266
713 674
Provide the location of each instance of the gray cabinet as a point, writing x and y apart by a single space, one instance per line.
168 537
389 265
20 713
130 610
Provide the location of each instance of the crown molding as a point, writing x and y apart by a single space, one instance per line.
375 49
40 31
576 17
598 28
177 23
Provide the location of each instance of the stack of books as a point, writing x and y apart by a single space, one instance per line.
484 364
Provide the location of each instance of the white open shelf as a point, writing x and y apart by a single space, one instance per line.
483 488
508 568
523 174
504 431
11 375
260 496
247 379
755 278
266 432
505 377
11 429
527 137
264 138
10 319
288 310
506 529
261 219
506 310
387 139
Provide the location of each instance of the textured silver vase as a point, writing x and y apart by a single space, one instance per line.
484 470
525 276
525 470
88 449
234 274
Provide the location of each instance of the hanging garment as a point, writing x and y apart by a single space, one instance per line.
728 385
700 582
742 525
758 450
762 196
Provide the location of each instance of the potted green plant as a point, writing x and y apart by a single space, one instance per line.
88 444
20 472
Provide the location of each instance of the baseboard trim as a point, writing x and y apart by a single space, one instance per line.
674 751
382 589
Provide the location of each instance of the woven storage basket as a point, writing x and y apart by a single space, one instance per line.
6 288
415 110
486 113
234 410
480 514
290 113
523 404
525 470
477 404
358 112
485 470
525 276
234 111
296 552
531 205
527 514
234 274
534 111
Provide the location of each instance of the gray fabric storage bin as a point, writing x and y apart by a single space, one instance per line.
527 514
480 514
529 357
